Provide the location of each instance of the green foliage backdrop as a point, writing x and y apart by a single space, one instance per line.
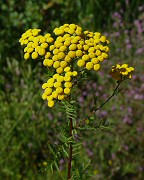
27 125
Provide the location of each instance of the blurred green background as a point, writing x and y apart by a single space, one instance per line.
27 125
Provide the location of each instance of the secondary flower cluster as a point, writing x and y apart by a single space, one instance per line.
58 87
70 49
35 44
121 72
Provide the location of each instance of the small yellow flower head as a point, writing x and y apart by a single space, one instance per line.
67 90
60 78
50 97
41 51
94 60
59 90
62 48
67 69
47 35
85 47
44 96
72 47
59 70
51 47
79 53
44 45
48 91
81 63
61 97
44 86
55 94
103 39
100 58
58 44
121 72
48 62
56 64
69 73
98 52
50 104
63 64
67 43
67 78
29 44
74 73
49 40
71 54
42 39
57 84
91 55
68 58
79 46
97 67
85 57
26 56
47 55
50 83
89 65
37 48
34 55
61 55
30 50
55 76
68 84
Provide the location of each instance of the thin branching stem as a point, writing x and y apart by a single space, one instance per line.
115 92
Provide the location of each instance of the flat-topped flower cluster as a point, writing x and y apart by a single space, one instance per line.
121 72
69 50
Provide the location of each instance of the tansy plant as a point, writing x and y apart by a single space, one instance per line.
68 54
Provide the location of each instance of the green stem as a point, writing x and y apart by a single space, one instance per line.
115 92
70 152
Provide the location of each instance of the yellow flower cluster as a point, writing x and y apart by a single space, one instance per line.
70 49
73 43
35 44
58 87
121 72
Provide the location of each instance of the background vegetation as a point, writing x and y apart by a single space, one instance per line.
27 125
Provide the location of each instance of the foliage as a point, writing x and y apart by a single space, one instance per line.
27 127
